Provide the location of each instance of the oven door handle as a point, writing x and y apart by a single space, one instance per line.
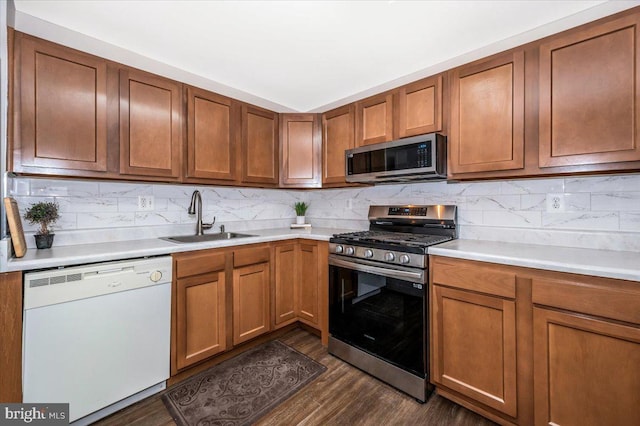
386 272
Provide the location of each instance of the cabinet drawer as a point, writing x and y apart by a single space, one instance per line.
615 299
474 276
200 262
250 256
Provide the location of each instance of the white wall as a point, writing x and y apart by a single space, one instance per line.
601 211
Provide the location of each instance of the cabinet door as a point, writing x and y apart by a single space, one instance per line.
200 318
250 302
420 107
62 108
300 151
11 337
474 346
285 283
308 284
589 101
259 146
487 116
586 371
150 125
338 132
374 120
211 136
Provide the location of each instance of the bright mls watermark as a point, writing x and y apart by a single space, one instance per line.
34 414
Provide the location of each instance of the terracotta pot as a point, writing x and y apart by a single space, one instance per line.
44 241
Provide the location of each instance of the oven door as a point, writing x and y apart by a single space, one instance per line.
380 310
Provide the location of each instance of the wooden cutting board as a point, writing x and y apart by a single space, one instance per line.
15 227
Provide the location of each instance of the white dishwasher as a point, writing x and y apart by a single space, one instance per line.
97 336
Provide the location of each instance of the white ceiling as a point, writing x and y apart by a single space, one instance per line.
300 55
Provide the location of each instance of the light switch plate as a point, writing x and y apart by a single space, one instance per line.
145 203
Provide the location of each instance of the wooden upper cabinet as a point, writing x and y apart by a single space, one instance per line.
420 107
589 101
259 146
150 125
62 109
487 115
374 119
338 132
300 151
212 129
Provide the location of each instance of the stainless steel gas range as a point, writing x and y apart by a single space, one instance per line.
378 293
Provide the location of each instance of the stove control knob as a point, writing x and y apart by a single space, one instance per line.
389 257
338 249
349 251
404 259
368 253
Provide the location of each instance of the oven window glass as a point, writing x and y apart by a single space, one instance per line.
382 316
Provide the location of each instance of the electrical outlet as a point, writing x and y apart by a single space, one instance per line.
145 202
555 203
349 203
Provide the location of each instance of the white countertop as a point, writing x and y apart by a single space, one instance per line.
623 265
603 263
102 252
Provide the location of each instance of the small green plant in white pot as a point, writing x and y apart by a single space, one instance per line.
44 214
301 210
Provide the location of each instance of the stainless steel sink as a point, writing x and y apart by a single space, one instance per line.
206 237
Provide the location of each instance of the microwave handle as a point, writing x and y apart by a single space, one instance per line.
386 272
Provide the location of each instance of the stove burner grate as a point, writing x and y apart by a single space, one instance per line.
400 238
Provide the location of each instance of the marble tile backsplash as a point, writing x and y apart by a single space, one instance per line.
600 211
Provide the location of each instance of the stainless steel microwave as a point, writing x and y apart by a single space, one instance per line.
422 157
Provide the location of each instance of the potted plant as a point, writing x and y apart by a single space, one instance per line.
44 214
301 209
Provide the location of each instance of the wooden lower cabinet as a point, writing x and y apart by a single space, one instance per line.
587 371
474 337
11 337
586 335
251 292
250 302
285 272
201 317
308 285
199 307
225 297
301 284
526 346
473 326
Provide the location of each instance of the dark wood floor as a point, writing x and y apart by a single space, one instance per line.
343 395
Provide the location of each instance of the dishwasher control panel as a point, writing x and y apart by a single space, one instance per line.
61 285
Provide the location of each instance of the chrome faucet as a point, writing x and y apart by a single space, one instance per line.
197 199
